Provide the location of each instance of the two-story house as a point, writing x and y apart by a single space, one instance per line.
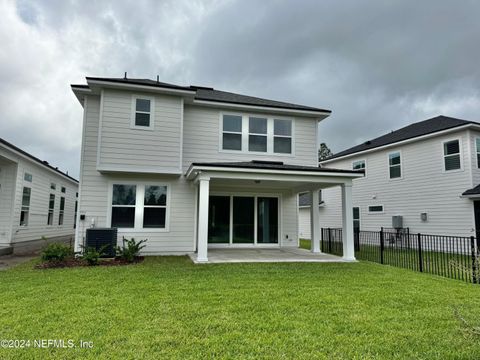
426 174
190 167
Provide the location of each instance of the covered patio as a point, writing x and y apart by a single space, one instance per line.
248 211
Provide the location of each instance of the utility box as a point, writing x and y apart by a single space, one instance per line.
397 222
102 237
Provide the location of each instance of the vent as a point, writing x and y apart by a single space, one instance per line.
99 238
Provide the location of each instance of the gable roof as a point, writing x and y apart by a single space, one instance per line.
473 191
209 94
421 128
30 156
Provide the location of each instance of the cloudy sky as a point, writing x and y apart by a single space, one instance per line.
379 65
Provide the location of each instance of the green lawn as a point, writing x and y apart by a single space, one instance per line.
167 307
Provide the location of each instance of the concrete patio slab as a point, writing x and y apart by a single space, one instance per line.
218 256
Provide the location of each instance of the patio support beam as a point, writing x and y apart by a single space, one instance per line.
347 228
202 244
315 221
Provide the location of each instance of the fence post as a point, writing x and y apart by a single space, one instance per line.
420 258
329 240
474 260
382 245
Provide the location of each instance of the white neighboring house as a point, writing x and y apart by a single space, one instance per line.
428 173
191 168
36 200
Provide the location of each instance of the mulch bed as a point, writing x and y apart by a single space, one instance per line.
76 262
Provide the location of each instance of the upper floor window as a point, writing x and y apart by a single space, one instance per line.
63 189
25 206
142 114
53 186
51 207
358 165
232 132
451 155
395 165
282 136
257 134
477 146
27 177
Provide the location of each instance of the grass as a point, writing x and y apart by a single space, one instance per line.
166 307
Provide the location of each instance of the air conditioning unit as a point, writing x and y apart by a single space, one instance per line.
397 222
102 237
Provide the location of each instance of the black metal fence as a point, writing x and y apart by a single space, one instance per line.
454 257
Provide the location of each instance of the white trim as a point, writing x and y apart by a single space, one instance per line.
142 170
182 105
79 223
133 112
406 141
389 166
460 153
365 166
139 205
100 123
375 212
316 114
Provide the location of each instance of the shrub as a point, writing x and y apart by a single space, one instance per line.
131 249
92 255
56 252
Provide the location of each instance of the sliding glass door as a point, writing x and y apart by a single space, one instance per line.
243 220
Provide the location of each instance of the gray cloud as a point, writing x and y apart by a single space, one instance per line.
378 65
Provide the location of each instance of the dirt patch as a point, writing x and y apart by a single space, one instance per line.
73 262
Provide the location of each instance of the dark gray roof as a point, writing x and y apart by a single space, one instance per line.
41 162
473 191
274 165
425 127
212 95
304 199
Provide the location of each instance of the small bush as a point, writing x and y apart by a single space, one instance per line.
92 255
56 252
131 249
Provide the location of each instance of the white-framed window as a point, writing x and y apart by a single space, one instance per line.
395 165
25 206
142 112
451 155
375 209
51 209
53 186
140 207
477 148
232 132
282 136
27 177
356 217
359 165
256 134
62 211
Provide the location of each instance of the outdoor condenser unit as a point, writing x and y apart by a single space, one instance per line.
102 237
397 222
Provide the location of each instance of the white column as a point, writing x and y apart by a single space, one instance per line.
347 229
315 221
202 243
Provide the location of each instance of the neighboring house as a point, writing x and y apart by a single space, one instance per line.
36 200
427 173
191 168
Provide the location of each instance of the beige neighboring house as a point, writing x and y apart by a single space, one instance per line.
192 168
425 175
36 200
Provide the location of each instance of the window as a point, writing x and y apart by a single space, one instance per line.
27 177
75 216
257 134
25 206
53 186
375 208
477 145
155 207
232 132
451 155
123 206
356 218
282 136
63 190
395 165
358 165
51 207
62 211
142 116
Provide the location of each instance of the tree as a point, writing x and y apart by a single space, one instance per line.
324 152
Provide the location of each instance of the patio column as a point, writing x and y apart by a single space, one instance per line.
347 229
315 221
202 244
